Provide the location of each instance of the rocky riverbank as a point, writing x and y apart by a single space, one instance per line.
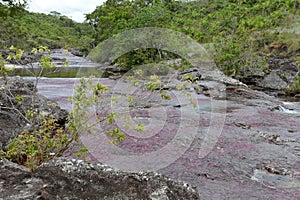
254 153
255 156
278 80
74 179
68 178
13 111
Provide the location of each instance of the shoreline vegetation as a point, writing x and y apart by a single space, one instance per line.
245 35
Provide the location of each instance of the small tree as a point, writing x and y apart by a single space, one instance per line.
46 138
43 138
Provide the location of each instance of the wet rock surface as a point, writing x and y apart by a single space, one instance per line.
74 179
58 56
75 59
12 112
256 155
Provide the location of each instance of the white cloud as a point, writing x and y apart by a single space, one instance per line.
74 9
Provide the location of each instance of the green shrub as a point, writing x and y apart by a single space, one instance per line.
44 142
294 88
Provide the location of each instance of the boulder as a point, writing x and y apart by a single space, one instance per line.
76 52
11 121
280 76
273 81
64 178
114 71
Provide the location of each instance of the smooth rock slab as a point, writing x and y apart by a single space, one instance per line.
260 133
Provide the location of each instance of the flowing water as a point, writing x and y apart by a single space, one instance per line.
243 148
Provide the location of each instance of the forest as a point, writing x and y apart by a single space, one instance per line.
243 33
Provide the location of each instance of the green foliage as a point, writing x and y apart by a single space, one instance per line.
154 83
26 30
240 30
294 88
4 71
137 57
15 3
116 133
11 7
82 120
157 15
190 78
45 138
140 127
44 142
19 99
114 17
164 95
82 151
16 55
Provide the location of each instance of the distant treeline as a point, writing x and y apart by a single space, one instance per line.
25 30
244 32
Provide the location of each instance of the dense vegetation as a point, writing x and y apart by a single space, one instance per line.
243 32
26 30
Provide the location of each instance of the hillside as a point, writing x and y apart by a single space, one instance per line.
244 33
25 30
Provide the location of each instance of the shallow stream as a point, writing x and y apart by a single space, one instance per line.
232 148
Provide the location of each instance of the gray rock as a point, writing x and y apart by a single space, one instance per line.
11 121
217 75
74 179
113 71
273 81
76 52
177 62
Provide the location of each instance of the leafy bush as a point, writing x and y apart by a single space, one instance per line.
44 142
44 138
294 88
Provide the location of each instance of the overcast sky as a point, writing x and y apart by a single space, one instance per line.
75 9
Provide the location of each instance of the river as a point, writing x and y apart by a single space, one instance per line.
242 146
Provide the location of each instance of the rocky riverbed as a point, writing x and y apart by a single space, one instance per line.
237 143
255 156
66 178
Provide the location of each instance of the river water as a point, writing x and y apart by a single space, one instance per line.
244 146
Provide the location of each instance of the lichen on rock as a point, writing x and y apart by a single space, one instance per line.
64 178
